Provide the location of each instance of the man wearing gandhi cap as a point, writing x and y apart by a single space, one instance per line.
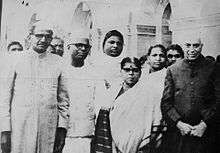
34 105
81 90
79 47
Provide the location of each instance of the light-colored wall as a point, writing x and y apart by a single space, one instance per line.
186 15
198 15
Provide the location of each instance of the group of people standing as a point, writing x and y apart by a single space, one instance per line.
161 103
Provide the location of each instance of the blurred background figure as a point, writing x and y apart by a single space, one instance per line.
57 45
14 46
174 54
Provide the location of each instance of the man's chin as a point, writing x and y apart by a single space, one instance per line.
40 50
192 58
79 58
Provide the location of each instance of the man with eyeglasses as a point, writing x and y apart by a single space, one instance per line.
187 104
174 54
79 49
34 102
81 88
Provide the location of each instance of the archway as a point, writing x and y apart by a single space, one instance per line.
166 33
82 17
162 20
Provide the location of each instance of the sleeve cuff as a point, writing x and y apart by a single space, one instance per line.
5 125
63 122
174 115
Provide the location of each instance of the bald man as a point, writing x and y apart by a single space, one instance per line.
187 104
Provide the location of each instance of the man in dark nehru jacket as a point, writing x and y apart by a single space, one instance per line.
188 106
215 86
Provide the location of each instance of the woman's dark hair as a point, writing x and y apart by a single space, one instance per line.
176 47
163 49
218 59
143 59
113 33
14 43
134 60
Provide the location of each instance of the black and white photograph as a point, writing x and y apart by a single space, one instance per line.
109 76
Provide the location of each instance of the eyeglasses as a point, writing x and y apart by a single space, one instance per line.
40 36
81 46
129 70
60 46
196 45
173 55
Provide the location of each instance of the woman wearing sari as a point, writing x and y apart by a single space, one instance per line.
132 112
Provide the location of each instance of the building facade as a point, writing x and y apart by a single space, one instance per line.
143 22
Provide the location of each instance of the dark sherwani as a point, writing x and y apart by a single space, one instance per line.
187 97
215 83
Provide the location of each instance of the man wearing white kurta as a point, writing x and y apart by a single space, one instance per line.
34 103
81 88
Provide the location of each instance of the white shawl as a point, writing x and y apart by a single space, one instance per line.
132 116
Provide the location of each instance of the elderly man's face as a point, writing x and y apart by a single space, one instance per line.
80 49
193 48
41 39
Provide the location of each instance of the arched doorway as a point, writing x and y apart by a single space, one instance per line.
166 33
82 17
162 20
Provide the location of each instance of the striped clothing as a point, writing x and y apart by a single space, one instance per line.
103 138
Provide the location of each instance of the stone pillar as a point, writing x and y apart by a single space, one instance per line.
131 37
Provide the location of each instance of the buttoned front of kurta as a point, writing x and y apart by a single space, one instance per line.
186 97
38 101
81 88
